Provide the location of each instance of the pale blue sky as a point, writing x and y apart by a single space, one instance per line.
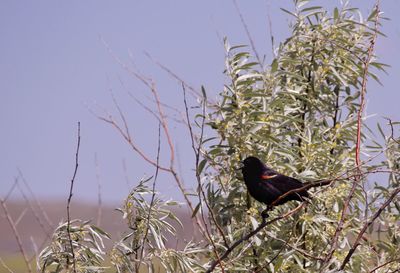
54 66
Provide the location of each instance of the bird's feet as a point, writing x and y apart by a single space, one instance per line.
264 214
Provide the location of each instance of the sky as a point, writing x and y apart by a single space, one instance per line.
60 64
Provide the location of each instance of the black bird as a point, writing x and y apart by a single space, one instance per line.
268 186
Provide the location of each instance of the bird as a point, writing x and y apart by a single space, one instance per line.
272 188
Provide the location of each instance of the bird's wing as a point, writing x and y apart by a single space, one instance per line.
269 173
281 183
274 190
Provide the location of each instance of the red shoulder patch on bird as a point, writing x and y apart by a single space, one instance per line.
266 176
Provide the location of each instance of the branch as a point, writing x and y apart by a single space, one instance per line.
70 197
358 141
251 234
384 264
152 196
201 193
99 199
171 169
367 225
11 189
305 187
5 266
271 34
42 210
130 141
248 34
35 214
195 93
301 251
364 83
197 155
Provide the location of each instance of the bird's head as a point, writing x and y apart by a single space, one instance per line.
252 164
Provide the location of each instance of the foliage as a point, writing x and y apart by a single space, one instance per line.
145 242
301 114
88 247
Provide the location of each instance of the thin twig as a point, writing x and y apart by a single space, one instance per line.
271 34
99 199
197 155
171 169
195 93
251 234
21 215
131 143
11 189
367 225
248 34
285 243
5 266
384 264
201 193
172 155
35 199
70 197
37 217
301 251
153 190
35 249
124 168
16 235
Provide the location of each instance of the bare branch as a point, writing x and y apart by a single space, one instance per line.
99 199
35 249
153 190
11 189
171 169
35 199
248 34
70 197
21 215
5 266
130 141
195 93
16 235
35 214
358 142
271 34
384 264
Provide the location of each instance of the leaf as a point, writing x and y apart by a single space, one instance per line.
289 12
274 66
336 14
254 222
278 263
338 76
311 8
201 166
196 209
372 16
257 240
203 91
380 130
